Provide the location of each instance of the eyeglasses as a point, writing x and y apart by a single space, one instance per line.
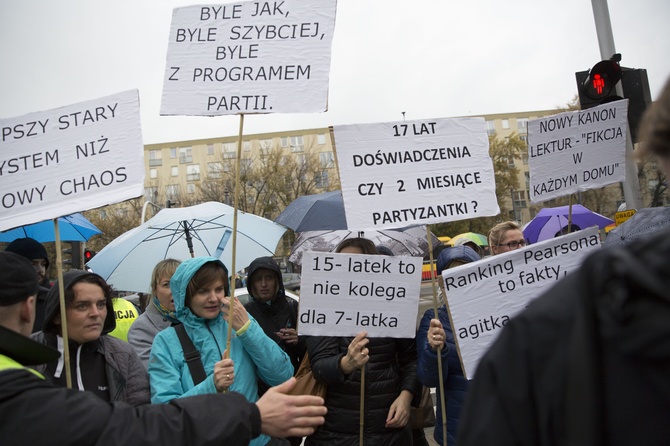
514 244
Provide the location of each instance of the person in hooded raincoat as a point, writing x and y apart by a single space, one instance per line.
101 364
199 287
276 313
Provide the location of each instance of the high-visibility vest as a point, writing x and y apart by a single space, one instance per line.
125 313
7 363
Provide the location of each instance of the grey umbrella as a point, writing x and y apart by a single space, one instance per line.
319 212
645 223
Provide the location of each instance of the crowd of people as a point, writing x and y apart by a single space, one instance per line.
588 362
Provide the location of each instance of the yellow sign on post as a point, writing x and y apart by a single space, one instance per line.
622 216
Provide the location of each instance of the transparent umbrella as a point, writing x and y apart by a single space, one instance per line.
400 243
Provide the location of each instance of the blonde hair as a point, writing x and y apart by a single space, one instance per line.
164 268
498 231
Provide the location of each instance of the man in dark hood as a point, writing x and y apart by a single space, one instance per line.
102 364
37 255
276 313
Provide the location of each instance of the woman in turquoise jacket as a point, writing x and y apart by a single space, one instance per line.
199 287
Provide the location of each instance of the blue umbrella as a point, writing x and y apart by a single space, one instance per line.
72 228
319 212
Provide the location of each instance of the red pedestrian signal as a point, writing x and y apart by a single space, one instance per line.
597 86
600 83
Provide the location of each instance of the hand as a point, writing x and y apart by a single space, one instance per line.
436 335
240 316
288 335
289 415
224 373
398 415
357 354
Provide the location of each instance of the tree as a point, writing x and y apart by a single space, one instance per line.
114 220
269 180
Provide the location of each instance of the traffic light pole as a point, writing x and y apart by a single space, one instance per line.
631 187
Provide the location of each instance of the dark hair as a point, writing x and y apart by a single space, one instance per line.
363 244
384 250
208 273
93 279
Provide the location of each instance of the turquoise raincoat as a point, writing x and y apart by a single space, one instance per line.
254 354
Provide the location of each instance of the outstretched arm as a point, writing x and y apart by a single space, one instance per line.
288 415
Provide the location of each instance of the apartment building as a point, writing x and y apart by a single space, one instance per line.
174 170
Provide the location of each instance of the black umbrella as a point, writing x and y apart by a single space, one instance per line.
319 212
642 225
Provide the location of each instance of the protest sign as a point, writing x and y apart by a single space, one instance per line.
70 159
397 174
344 294
577 151
249 57
484 295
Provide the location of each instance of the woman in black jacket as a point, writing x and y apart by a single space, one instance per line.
390 382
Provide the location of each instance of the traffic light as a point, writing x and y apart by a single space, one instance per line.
597 86
72 255
88 255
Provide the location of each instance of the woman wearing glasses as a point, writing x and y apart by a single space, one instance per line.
506 236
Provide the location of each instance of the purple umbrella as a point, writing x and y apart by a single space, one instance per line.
551 222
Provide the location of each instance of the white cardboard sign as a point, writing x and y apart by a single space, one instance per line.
397 174
70 159
344 294
249 57
576 151
484 295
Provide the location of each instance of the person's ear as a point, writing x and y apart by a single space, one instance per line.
27 311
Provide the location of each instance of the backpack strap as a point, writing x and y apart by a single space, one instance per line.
191 355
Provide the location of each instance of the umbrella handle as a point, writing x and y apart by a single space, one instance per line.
189 239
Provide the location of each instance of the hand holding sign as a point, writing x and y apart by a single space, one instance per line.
357 354
436 335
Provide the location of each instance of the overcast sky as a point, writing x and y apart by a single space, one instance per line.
427 58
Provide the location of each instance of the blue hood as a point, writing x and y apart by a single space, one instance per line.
180 279
462 252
